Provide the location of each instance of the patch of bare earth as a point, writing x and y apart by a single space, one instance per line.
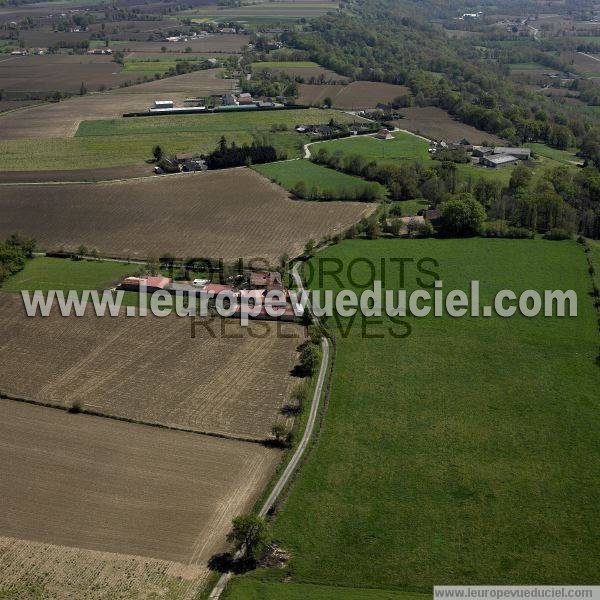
354 96
222 214
94 508
435 123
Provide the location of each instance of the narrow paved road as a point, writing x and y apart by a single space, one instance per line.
298 453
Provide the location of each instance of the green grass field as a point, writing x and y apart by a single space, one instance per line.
405 146
128 141
528 66
466 452
561 156
253 588
149 66
209 123
46 273
287 174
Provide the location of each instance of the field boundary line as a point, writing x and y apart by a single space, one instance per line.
300 449
102 415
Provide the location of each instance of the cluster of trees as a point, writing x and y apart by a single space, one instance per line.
225 156
366 192
265 82
14 252
404 180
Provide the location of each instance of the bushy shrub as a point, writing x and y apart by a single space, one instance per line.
557 234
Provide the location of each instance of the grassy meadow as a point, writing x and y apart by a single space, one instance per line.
47 273
128 141
406 146
444 455
403 146
287 174
253 588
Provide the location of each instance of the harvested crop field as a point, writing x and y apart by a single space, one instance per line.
101 174
22 75
221 214
226 380
61 119
90 483
435 123
356 95
227 43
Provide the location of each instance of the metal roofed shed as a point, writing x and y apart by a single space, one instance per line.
163 104
520 153
499 160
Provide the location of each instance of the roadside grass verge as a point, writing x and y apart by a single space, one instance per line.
466 452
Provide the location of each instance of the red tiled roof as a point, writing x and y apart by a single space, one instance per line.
150 281
217 288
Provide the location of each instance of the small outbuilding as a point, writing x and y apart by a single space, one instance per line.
499 160
520 153
481 151
384 134
163 104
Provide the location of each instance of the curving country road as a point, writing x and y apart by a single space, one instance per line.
298 453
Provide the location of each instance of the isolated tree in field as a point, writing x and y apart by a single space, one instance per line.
309 358
251 535
300 190
309 248
462 215
82 89
282 434
158 153
327 102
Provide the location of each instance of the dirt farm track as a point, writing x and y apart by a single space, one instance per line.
88 483
219 214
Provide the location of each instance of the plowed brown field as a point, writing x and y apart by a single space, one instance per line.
228 380
221 214
356 95
86 482
61 119
436 123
